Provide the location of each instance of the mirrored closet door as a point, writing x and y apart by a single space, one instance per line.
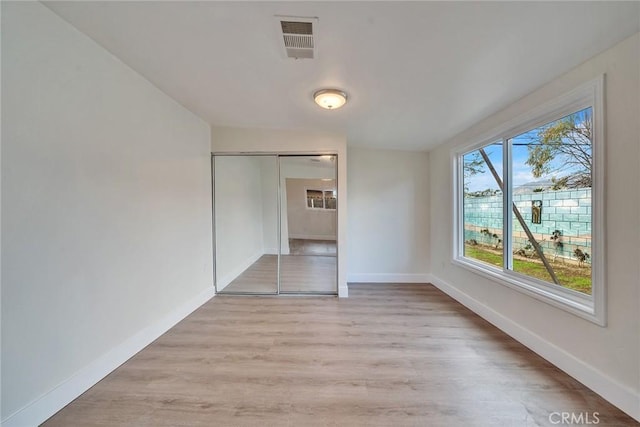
245 190
308 215
275 224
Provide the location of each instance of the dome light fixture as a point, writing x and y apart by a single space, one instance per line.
330 99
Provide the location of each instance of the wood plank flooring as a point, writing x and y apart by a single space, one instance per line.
308 273
312 247
390 355
260 277
298 274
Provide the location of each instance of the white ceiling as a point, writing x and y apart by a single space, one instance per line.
417 73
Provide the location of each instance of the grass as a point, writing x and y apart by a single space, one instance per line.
570 276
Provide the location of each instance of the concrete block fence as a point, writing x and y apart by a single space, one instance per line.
568 211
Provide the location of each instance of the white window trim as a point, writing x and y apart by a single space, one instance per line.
590 307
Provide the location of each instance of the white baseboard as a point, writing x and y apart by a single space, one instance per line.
238 270
312 237
388 278
48 404
617 394
343 291
271 251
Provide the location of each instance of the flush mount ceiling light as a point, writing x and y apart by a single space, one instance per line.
331 99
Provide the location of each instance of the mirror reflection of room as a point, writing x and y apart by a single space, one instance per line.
246 224
253 254
309 224
312 229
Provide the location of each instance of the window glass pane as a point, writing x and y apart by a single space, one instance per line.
551 188
314 199
329 199
482 204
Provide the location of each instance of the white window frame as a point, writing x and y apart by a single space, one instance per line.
591 307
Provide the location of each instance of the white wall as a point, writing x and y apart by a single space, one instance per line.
106 212
605 359
305 223
269 179
227 139
388 216
239 215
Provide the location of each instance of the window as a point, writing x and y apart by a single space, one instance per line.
321 199
330 199
529 204
482 205
315 199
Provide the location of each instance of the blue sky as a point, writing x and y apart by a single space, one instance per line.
521 171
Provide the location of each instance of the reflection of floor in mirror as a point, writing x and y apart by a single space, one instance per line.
308 274
312 247
260 277
298 274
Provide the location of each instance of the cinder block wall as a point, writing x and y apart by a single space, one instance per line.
568 211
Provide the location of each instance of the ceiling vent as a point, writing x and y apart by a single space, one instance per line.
298 36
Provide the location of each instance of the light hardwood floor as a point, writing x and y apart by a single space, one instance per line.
298 274
259 277
312 247
308 273
390 355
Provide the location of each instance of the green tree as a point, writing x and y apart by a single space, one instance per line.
473 164
563 148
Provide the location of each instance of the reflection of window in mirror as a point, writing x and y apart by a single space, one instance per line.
321 199
315 199
330 199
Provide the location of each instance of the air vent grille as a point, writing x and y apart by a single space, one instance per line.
293 27
298 36
298 41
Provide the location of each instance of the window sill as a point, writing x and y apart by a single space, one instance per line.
567 300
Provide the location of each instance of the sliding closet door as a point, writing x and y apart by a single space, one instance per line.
246 224
308 200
